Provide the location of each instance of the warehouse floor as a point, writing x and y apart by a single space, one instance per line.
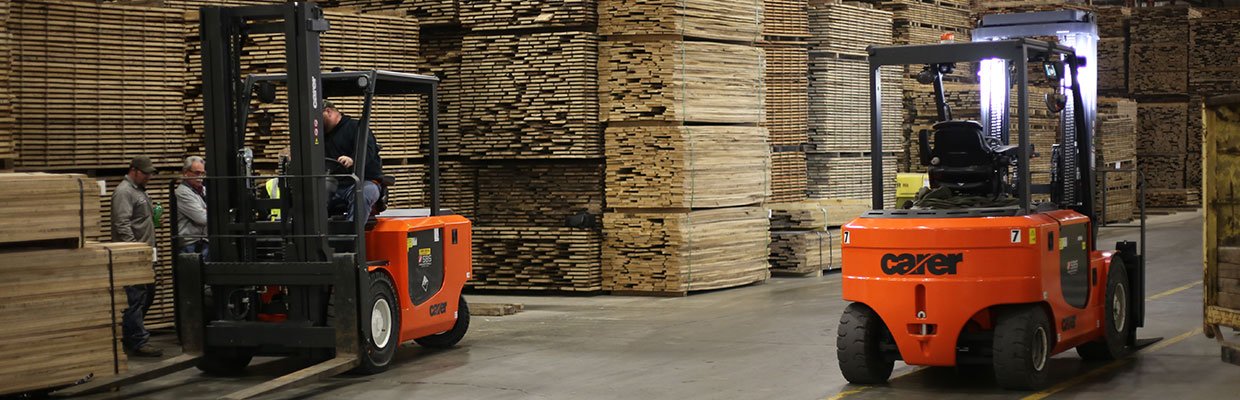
769 341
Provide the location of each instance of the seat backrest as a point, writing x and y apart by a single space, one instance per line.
960 144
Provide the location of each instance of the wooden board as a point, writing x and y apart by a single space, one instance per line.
683 252
789 176
543 194
494 15
530 96
723 20
536 259
67 206
816 214
678 81
802 252
95 85
698 166
838 121
785 18
847 28
36 282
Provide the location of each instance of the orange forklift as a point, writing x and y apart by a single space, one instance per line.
983 274
312 283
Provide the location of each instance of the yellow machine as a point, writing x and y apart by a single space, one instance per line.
907 185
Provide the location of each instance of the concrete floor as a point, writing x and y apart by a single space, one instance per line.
768 341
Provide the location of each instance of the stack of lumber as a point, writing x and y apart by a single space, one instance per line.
537 259
426 12
56 287
789 176
787 99
1227 279
1115 148
722 20
1173 197
681 81
1158 59
530 95
698 166
457 187
159 188
805 236
1113 49
488 15
847 28
194 5
1169 150
7 149
410 190
355 42
785 18
542 194
675 253
1214 61
839 114
441 52
846 176
94 85
1023 6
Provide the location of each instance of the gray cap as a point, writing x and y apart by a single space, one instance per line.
144 164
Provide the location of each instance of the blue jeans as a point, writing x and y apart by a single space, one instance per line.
140 299
370 193
200 248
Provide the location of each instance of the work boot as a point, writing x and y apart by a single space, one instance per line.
146 351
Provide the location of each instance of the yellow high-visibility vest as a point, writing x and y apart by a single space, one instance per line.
273 192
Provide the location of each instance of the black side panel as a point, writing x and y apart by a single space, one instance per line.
425 264
1074 264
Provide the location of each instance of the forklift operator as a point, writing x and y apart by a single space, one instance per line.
341 135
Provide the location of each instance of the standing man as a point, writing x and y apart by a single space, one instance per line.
192 208
342 134
133 221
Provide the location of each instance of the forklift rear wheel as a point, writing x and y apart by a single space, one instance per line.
1022 347
225 361
452 336
1116 322
859 346
380 333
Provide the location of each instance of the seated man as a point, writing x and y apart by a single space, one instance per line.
342 134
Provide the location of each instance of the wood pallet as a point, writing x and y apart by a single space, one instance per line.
803 252
355 42
722 20
541 194
678 81
530 96
67 206
786 90
838 121
1115 139
1214 58
95 85
496 15
536 259
847 28
39 322
785 18
835 177
1157 55
816 214
789 176
683 252
426 12
696 166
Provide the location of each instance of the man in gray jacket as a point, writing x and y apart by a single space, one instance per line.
192 208
133 221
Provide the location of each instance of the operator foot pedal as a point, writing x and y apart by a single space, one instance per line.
1143 343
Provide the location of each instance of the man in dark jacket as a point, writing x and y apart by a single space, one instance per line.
342 134
133 221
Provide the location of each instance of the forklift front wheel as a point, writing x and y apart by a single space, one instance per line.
451 337
380 333
225 361
1117 321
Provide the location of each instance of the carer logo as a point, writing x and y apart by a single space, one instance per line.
919 264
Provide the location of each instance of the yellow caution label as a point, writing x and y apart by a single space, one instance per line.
1033 235
424 252
409 243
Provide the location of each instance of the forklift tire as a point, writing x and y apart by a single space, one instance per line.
1022 347
1117 322
380 335
225 361
452 336
858 346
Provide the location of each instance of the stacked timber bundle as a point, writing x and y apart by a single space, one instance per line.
538 194
789 177
1115 149
99 84
530 95
1158 59
441 52
675 253
1214 61
785 18
355 42
194 5
1023 6
426 12
1113 49
457 187
834 177
537 259
1165 132
58 288
687 150
490 15
721 20
805 238
691 166
847 29
7 149
785 26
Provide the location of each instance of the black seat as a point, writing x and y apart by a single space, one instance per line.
964 159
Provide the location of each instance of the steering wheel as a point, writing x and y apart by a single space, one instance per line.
334 167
